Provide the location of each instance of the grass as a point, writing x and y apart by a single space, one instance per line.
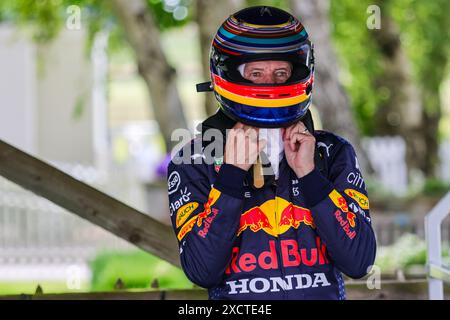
19 287
137 270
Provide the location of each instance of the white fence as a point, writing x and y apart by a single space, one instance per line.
388 158
42 241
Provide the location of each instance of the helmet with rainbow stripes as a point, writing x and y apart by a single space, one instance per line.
257 34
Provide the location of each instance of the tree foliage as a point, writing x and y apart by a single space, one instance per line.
45 18
425 28
425 34
359 58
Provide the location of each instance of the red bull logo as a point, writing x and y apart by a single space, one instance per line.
255 219
207 223
351 218
214 194
345 224
293 215
291 255
339 201
275 216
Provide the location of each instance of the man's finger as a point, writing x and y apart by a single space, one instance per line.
289 130
294 139
287 145
303 130
301 126
301 137
294 129
292 136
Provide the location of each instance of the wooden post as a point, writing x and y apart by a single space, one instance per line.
39 290
119 285
88 203
154 284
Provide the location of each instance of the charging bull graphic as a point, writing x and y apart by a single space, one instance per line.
275 217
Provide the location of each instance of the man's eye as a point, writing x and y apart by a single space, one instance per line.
281 74
255 74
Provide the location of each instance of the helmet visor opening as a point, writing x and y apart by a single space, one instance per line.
300 61
299 73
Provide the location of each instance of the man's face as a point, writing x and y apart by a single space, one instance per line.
267 71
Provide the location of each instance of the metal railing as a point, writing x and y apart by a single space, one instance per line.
437 273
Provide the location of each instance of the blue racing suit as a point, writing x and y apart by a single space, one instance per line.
290 239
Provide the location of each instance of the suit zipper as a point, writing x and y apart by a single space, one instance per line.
277 241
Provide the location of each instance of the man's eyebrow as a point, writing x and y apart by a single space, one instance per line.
256 68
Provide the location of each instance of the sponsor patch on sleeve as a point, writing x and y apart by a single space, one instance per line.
214 194
186 228
184 212
173 182
339 201
360 198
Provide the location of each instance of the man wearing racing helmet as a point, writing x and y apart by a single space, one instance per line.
287 232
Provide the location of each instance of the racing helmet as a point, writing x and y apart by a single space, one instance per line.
256 34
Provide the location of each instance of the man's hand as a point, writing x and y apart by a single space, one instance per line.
299 145
242 146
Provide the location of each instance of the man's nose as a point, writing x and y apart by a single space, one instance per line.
268 79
